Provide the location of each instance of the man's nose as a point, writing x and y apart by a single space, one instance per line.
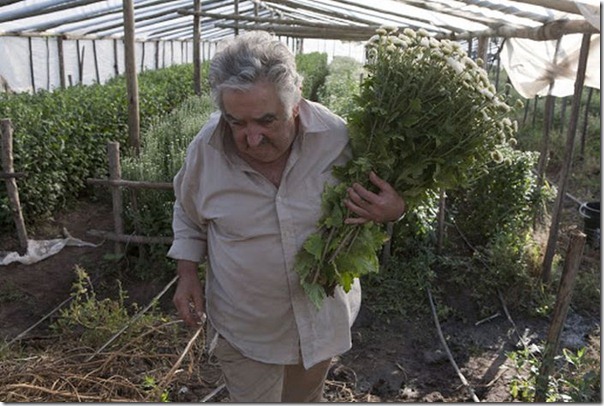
254 136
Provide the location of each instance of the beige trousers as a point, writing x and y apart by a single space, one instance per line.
248 380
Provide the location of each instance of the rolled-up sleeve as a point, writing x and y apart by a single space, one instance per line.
190 232
190 240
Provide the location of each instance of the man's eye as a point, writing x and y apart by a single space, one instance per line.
267 121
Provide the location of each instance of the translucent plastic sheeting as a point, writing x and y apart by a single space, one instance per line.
533 65
16 69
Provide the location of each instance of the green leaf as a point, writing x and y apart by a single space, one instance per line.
314 245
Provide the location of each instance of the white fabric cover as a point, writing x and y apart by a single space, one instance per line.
533 65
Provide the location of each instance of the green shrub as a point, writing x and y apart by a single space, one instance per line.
163 150
342 85
503 200
60 137
313 68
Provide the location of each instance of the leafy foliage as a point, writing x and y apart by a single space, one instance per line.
426 118
313 68
60 137
96 319
341 86
147 211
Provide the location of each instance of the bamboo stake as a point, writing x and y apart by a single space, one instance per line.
133 319
463 379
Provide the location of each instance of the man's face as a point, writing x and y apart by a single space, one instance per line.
261 128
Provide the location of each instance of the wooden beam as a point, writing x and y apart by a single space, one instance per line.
548 31
278 21
347 34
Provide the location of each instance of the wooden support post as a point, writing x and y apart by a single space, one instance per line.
196 48
442 205
565 290
115 174
47 63
131 77
31 65
116 68
11 184
567 163
61 61
96 62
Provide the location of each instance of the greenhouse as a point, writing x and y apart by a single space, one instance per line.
480 119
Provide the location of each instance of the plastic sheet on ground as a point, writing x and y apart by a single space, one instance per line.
37 250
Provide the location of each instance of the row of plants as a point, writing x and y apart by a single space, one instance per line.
60 137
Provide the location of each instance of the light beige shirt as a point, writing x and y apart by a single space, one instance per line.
250 231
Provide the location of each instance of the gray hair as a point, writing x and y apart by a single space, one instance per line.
253 57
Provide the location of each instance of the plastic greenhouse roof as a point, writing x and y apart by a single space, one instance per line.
353 20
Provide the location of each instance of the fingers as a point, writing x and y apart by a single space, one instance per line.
383 206
188 301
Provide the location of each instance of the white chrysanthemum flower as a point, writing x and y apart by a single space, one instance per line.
506 122
374 39
422 33
424 42
389 28
381 31
487 93
447 50
410 33
391 48
396 41
453 63
434 43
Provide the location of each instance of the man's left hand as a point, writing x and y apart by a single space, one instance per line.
384 206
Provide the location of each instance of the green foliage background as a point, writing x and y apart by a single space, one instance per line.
60 137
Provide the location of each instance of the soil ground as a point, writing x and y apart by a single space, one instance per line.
391 359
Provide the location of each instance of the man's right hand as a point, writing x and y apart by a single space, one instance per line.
189 296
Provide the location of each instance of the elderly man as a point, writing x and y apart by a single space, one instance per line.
247 197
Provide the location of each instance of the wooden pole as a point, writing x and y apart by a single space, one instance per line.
585 123
116 68
11 184
131 77
567 163
61 62
196 41
565 290
115 173
31 65
96 62
442 205
47 64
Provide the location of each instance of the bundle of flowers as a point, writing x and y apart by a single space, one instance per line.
427 118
